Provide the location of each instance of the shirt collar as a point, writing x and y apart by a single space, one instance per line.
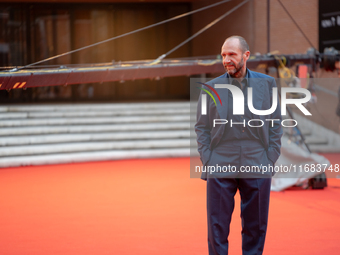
244 81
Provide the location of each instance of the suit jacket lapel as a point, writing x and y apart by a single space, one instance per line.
223 93
258 91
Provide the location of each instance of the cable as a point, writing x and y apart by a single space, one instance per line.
122 35
198 33
296 24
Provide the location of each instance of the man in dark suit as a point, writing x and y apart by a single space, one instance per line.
236 143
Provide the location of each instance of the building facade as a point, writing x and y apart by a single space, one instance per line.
36 30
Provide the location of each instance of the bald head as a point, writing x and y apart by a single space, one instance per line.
243 45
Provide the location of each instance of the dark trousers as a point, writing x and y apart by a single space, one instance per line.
254 213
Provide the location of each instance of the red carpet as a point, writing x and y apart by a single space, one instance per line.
148 206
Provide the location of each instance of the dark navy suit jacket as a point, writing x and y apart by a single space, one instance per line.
208 137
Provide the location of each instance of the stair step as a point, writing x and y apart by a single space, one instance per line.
96 120
315 140
93 113
92 156
93 128
324 149
90 107
92 146
306 132
87 137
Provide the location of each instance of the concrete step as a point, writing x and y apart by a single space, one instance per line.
93 120
318 138
92 156
87 137
92 146
91 107
65 133
95 128
306 132
315 140
324 148
93 113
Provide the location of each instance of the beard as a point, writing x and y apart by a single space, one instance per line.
237 69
